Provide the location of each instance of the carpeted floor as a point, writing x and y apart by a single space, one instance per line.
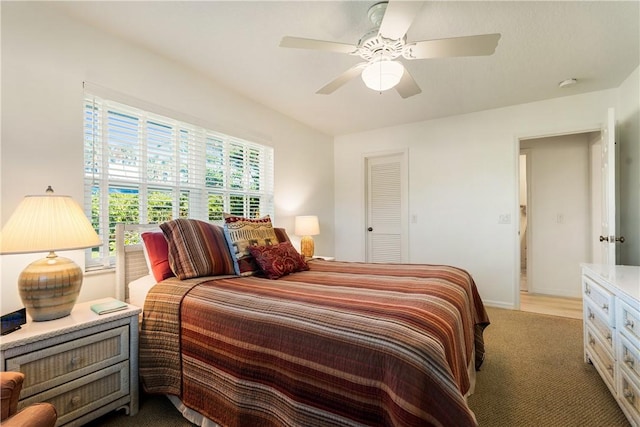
534 375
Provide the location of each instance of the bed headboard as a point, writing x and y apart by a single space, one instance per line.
130 261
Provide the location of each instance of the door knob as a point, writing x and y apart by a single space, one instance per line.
620 239
370 229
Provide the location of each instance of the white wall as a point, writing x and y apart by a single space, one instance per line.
462 177
45 59
558 216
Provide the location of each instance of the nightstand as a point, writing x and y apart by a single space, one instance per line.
84 364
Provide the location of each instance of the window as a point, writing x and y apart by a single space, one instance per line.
141 167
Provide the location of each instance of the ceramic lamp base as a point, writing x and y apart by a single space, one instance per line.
306 246
50 287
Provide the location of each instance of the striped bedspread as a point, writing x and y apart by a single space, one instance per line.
343 344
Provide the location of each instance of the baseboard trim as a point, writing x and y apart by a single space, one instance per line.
499 304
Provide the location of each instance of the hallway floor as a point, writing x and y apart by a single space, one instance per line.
555 306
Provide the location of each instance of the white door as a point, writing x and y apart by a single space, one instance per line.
386 209
608 237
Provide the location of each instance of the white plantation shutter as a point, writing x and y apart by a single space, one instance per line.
142 167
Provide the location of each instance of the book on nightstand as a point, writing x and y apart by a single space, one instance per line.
108 306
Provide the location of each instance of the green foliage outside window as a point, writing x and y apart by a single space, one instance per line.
144 168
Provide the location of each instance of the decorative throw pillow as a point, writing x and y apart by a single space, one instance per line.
281 234
196 249
278 260
156 251
244 232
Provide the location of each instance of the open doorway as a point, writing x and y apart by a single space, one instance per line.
524 153
556 192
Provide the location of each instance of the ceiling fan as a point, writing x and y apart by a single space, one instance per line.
381 46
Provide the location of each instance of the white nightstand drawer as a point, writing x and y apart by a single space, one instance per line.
85 394
601 299
58 364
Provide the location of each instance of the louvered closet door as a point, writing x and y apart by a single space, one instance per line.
386 209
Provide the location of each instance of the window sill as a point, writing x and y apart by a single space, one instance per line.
100 271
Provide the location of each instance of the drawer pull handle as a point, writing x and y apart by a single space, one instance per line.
592 341
605 307
591 315
74 361
628 394
610 369
75 400
629 361
629 324
587 290
609 337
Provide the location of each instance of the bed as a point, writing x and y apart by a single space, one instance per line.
337 344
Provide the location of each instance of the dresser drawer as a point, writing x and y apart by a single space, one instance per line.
600 298
85 394
601 359
629 356
629 322
600 326
47 368
629 396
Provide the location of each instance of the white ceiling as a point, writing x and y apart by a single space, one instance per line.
236 44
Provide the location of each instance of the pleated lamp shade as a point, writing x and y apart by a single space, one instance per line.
48 223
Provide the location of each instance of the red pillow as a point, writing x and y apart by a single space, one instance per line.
278 260
157 250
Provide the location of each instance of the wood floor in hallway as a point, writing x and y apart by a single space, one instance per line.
555 306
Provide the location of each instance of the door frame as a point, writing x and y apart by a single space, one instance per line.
527 153
516 210
404 197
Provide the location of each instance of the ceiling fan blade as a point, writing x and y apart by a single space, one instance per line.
457 46
300 43
342 79
398 18
407 86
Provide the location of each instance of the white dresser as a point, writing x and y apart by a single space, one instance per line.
84 364
611 296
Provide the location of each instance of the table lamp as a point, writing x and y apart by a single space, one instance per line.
48 287
307 226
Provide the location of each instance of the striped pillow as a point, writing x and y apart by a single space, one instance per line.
197 248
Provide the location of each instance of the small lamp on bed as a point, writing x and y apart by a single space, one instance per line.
48 287
307 226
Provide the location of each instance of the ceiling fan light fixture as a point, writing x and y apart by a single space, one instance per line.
382 75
